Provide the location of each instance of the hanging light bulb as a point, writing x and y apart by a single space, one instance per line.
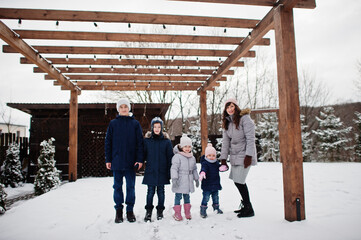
57 23
95 58
90 68
178 69
164 26
19 22
146 58
135 68
187 83
199 69
67 58
225 30
197 59
67 68
95 24
172 59
158 69
120 58
194 28
112 68
116 82
170 83
249 35
129 26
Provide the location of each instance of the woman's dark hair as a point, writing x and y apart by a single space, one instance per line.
236 116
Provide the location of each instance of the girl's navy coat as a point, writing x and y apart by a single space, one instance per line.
124 143
212 182
158 153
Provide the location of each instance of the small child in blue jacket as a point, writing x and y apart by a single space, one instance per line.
211 182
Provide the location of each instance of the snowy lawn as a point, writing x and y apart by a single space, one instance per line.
84 210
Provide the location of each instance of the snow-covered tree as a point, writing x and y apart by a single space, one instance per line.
267 128
195 135
48 176
306 140
331 136
11 174
358 137
2 199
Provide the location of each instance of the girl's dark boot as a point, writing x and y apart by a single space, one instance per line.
148 215
246 211
160 213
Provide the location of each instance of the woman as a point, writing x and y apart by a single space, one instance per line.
239 143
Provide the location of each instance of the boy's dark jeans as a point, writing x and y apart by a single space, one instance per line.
150 196
118 189
206 196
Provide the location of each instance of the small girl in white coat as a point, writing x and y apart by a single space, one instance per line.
183 173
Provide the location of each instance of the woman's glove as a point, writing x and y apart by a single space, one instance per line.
224 166
247 161
202 176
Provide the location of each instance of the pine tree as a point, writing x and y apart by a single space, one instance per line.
267 128
306 140
2 199
358 137
195 134
11 175
48 176
331 136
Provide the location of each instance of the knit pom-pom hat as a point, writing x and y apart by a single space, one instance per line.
231 100
210 150
185 141
123 101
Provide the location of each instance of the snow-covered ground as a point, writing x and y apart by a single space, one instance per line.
84 210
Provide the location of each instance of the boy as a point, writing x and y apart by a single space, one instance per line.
123 154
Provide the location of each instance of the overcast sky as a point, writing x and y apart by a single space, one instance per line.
328 42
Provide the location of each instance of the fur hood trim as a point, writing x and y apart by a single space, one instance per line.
245 111
149 135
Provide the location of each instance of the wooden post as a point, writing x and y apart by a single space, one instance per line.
73 136
289 116
204 124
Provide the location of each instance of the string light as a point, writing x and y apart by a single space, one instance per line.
164 26
170 83
187 83
129 26
178 69
194 28
219 60
135 84
249 35
135 68
172 59
148 85
112 68
146 58
95 58
57 23
197 60
90 68
95 24
120 58
67 58
199 69
225 30
67 68
116 82
158 69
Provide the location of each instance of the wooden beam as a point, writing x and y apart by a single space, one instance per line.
117 17
136 71
138 84
73 136
19 46
136 77
204 123
130 51
137 62
289 116
136 88
301 4
133 37
257 33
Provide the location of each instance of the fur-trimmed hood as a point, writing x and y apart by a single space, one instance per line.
149 135
245 111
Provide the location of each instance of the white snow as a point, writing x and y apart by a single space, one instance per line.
23 189
84 210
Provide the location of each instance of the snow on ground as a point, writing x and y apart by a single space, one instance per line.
26 188
84 210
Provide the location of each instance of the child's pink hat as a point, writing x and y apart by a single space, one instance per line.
210 150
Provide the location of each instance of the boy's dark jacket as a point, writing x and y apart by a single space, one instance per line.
212 182
124 143
158 153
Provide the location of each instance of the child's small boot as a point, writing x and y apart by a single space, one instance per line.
160 213
118 216
177 212
203 211
187 211
216 208
148 215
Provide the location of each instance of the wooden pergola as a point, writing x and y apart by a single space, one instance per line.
170 69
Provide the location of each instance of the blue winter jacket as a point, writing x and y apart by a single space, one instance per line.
124 143
212 182
158 153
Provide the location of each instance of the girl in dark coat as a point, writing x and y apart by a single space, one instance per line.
158 153
211 182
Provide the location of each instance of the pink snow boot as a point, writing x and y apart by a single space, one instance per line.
177 213
187 211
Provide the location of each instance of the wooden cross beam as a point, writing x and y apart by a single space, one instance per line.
135 71
136 77
137 84
257 33
130 51
300 3
133 37
30 53
134 62
92 16
136 88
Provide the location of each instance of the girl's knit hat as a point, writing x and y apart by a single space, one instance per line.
185 141
123 101
210 150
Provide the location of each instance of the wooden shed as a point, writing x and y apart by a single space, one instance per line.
52 120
